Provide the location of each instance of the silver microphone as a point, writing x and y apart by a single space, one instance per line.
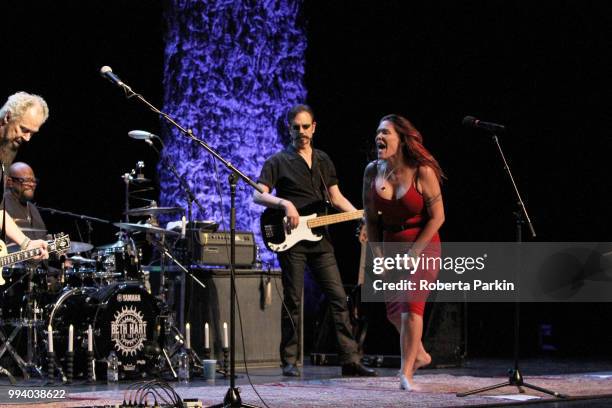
107 73
141 135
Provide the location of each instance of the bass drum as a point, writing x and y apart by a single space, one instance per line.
123 318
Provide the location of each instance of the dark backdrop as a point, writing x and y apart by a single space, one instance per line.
540 68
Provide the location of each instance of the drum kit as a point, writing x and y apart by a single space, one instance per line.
102 289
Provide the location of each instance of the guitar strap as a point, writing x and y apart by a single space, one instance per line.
3 232
325 191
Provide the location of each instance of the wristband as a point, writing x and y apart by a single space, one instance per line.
25 243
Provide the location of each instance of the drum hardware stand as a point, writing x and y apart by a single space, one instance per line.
30 322
168 324
161 352
515 377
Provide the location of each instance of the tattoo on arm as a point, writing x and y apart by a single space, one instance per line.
430 201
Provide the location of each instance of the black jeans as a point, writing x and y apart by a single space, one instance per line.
325 272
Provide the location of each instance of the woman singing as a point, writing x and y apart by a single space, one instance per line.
403 203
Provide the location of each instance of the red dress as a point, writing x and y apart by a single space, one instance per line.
402 221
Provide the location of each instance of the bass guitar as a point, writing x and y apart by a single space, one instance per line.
278 238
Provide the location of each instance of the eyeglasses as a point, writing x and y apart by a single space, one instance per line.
305 127
22 180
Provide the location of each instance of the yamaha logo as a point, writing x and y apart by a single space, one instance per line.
128 297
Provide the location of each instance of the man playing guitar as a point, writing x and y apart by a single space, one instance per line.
302 177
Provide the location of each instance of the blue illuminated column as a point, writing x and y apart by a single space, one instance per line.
232 69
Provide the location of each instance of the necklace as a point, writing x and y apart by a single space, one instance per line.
387 177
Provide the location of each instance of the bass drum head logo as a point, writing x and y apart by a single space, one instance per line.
128 330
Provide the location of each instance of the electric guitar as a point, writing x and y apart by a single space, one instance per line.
278 238
59 244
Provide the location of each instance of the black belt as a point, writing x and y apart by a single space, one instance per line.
399 228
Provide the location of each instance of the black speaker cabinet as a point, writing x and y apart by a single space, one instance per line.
260 308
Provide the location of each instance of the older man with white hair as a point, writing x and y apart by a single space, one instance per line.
20 118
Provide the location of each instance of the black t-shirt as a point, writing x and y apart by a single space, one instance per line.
288 173
25 216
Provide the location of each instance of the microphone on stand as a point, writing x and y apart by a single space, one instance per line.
470 121
141 135
107 73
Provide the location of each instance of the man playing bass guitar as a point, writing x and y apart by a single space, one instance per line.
302 177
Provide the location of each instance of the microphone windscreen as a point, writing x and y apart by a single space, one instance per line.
469 121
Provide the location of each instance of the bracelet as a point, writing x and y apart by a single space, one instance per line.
25 243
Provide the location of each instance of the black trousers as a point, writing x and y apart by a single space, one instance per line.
325 272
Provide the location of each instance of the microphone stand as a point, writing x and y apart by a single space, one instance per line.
88 219
70 214
232 397
191 198
515 377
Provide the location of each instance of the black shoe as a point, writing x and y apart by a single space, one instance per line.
290 370
356 369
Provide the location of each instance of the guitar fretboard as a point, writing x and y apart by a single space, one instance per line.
334 218
19 256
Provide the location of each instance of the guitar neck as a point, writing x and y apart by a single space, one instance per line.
334 218
19 256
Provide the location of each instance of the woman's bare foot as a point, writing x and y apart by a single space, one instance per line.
422 360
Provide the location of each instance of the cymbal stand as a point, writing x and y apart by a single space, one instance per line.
168 324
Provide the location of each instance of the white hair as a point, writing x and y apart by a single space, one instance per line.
20 102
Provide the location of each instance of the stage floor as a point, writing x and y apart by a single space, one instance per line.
587 382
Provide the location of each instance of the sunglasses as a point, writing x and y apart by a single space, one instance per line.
22 180
305 127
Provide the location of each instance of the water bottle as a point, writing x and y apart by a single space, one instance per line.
183 369
112 368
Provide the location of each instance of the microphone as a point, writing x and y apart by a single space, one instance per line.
470 121
107 73
141 135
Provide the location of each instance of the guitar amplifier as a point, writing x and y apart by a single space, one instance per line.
213 248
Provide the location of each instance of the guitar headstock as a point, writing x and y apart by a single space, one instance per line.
59 244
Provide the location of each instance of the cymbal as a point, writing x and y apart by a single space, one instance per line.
153 210
80 259
148 228
114 245
77 247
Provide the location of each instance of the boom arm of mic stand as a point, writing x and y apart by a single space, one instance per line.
520 202
167 253
189 134
69 214
168 163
